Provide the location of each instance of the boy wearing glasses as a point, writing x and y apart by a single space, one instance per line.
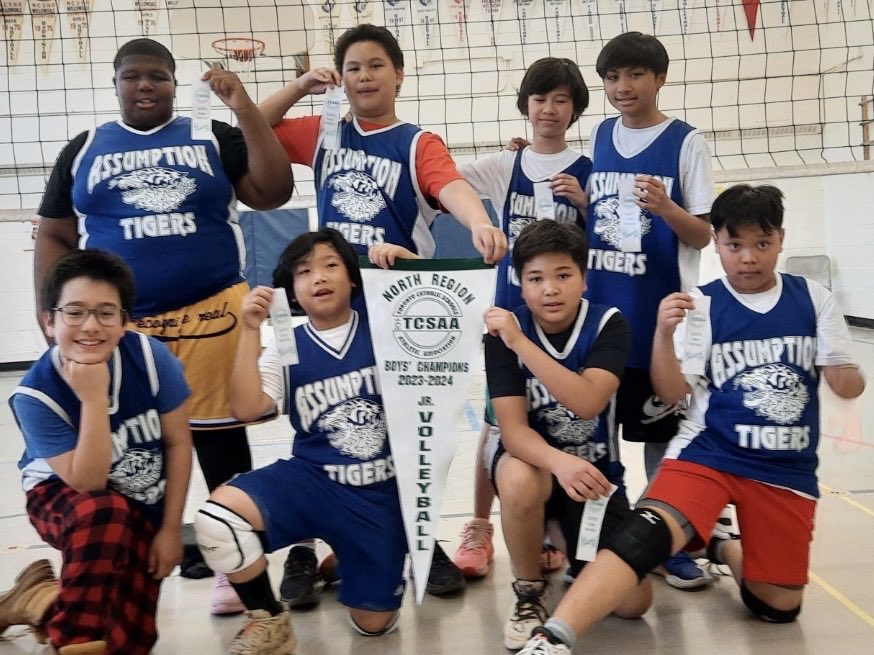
105 468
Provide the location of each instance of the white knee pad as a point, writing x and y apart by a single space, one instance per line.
228 542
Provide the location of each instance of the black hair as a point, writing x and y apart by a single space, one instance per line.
548 236
548 74
144 47
302 247
368 32
96 265
633 49
744 205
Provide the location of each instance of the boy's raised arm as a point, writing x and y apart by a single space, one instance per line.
316 81
248 400
668 380
268 181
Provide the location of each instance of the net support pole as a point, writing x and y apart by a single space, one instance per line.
866 126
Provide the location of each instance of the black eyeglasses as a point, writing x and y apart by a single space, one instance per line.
106 315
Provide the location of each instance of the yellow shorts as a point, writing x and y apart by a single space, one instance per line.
204 337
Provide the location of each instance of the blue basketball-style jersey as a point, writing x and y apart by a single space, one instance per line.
761 409
519 211
591 439
368 188
633 281
145 382
335 407
163 203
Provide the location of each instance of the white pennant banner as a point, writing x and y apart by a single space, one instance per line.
426 319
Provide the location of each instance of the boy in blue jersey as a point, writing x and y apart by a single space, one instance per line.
668 164
553 366
147 189
340 485
106 464
386 179
552 96
750 434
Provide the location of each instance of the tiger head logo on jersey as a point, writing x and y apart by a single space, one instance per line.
356 428
517 224
566 427
137 474
773 391
357 196
607 221
154 189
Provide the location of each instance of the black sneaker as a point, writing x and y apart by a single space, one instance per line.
444 577
301 583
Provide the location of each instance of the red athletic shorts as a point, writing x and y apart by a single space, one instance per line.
776 525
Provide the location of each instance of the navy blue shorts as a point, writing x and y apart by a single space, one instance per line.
364 526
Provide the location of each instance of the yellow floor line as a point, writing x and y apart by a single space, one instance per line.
843 600
847 499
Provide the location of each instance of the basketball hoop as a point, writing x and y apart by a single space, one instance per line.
240 49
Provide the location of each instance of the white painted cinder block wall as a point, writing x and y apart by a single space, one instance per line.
826 215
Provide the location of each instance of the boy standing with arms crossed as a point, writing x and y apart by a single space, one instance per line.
761 340
665 165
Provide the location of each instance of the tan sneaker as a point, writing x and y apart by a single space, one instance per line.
88 648
34 592
527 613
264 634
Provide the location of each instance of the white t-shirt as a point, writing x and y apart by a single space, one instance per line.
490 176
272 372
834 345
696 169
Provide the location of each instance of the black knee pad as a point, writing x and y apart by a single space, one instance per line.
764 611
643 541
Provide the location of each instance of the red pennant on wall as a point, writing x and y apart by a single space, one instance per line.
751 9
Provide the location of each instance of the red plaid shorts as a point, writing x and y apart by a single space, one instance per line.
106 590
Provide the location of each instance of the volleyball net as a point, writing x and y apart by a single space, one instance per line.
771 83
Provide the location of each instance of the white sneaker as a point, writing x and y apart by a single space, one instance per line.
264 634
540 646
526 614
224 598
726 525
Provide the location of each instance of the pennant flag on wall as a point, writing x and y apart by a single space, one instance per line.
751 9
427 318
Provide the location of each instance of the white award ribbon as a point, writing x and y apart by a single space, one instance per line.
283 329
590 527
698 337
427 318
544 201
201 108
329 126
629 216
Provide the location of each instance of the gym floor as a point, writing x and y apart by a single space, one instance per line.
838 614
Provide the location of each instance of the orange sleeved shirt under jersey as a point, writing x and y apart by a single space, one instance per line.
434 165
